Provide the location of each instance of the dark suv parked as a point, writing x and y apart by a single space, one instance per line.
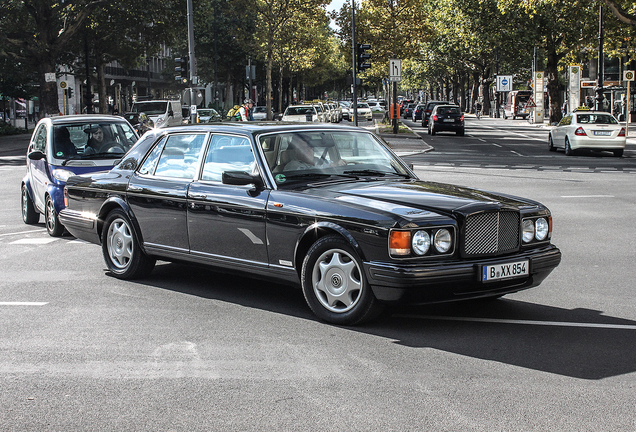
446 118
429 109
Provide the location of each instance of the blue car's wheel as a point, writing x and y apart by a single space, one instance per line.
53 225
29 214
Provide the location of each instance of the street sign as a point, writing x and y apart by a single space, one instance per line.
628 75
395 70
63 84
504 83
49 77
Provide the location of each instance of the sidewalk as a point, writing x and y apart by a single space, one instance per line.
403 143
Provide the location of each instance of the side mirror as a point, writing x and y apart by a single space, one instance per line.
36 155
241 178
170 113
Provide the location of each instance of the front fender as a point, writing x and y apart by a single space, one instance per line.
109 205
319 229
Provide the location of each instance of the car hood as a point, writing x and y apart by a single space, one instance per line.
404 197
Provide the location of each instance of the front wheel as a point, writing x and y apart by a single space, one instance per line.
334 284
53 224
551 146
120 247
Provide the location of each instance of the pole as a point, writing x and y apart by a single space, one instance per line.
193 65
394 107
627 110
353 50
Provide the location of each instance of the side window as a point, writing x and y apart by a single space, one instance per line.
227 154
149 165
180 156
40 139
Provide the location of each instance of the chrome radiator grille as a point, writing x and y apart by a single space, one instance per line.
491 233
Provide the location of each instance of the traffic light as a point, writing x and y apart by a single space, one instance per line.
362 57
70 92
183 69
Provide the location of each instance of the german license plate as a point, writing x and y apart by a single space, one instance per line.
504 271
603 133
449 120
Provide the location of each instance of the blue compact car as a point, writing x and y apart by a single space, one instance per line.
64 146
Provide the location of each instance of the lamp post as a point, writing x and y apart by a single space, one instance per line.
354 96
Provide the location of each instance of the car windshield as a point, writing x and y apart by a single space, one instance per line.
363 105
596 118
92 140
307 156
448 110
150 108
303 110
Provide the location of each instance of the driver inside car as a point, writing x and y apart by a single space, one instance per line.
304 157
98 142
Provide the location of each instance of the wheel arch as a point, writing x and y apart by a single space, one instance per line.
316 231
111 204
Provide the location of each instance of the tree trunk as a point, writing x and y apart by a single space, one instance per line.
268 93
554 87
101 83
49 101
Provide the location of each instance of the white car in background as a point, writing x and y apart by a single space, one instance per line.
364 111
301 113
586 129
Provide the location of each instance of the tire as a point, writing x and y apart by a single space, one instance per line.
551 146
30 215
432 129
53 225
618 153
334 284
460 132
428 131
121 249
568 149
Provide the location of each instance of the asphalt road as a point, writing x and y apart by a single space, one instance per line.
189 349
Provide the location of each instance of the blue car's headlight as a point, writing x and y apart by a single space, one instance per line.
62 174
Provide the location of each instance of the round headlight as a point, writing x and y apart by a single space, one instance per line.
421 242
541 229
528 230
443 240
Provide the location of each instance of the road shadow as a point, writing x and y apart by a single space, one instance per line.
578 348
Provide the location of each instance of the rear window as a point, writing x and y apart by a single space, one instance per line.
300 110
596 119
448 110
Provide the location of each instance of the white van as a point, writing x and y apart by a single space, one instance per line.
163 113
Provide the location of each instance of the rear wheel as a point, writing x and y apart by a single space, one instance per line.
460 132
618 153
432 129
120 247
53 225
29 214
334 284
568 149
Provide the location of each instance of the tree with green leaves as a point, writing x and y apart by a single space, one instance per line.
40 33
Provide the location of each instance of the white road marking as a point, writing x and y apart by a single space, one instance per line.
40 241
496 145
23 303
23 232
587 196
524 322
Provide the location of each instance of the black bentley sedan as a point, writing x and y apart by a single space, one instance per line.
328 208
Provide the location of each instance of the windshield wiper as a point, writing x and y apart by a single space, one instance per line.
370 172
